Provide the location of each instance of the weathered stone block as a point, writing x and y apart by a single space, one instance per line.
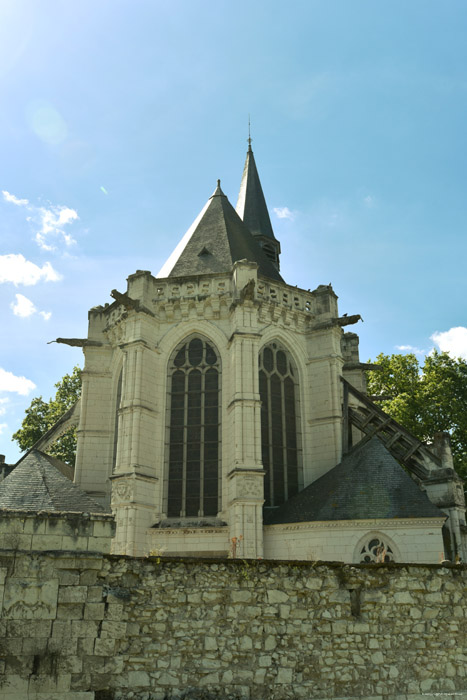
104 647
377 658
72 594
84 628
94 611
30 600
70 611
277 596
284 676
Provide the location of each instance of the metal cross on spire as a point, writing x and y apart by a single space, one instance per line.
249 133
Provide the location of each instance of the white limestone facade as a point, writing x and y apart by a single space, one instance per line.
411 540
215 394
122 449
123 437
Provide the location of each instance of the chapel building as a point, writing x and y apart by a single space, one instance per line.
224 413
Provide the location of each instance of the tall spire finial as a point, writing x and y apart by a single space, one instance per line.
249 133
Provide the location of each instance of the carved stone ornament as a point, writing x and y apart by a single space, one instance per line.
121 491
116 333
250 488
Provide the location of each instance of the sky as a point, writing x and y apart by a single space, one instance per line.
117 117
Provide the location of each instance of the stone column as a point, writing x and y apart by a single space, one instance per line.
137 472
95 429
323 390
245 472
445 489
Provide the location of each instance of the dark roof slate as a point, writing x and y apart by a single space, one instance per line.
36 484
219 238
367 484
251 204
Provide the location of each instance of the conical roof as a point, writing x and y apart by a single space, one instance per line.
251 204
367 484
36 484
215 240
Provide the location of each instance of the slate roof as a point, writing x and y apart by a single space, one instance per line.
251 204
62 467
367 484
36 484
216 240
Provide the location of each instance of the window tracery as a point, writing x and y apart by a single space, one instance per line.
193 431
376 550
279 424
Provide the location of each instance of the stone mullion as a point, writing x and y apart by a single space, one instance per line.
201 447
284 440
185 440
270 449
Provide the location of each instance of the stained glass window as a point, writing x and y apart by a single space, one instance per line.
376 550
279 422
194 425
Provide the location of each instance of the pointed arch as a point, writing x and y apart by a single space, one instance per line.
193 429
118 401
280 421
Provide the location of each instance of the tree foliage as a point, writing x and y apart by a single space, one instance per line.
42 415
426 398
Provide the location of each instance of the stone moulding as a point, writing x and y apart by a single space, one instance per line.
361 524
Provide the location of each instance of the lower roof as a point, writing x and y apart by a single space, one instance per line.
367 484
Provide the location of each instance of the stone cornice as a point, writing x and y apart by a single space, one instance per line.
134 474
244 471
358 524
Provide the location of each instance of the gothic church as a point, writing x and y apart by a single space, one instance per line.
224 413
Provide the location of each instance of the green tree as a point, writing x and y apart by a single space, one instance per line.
42 415
426 398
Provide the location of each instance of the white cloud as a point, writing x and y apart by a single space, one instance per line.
3 408
14 200
17 385
51 221
453 341
15 268
23 306
411 348
3 427
284 213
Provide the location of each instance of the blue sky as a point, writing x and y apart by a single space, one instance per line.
117 117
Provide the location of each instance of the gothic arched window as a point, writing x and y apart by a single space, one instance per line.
118 401
279 422
193 432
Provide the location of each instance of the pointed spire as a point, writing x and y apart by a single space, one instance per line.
218 192
216 239
252 209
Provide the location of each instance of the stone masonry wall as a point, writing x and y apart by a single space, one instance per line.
84 625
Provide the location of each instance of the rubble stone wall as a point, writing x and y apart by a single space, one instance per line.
79 626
